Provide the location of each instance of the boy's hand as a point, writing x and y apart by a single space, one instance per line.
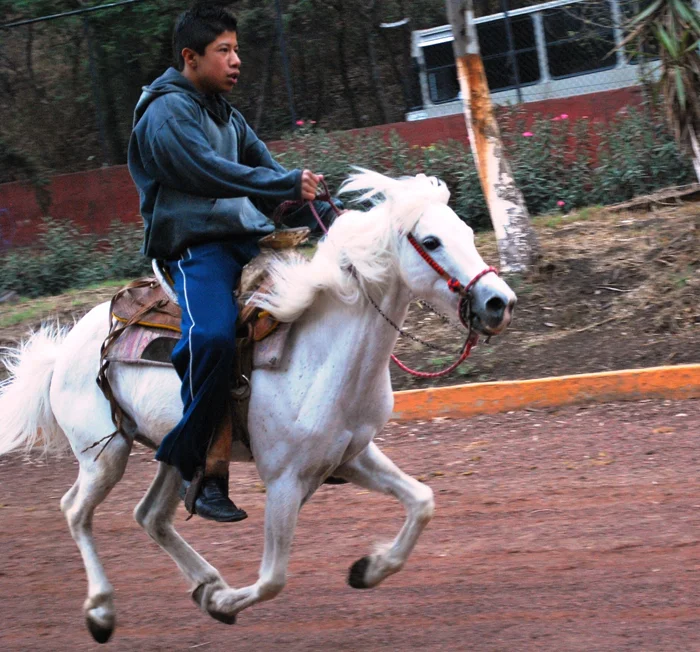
309 184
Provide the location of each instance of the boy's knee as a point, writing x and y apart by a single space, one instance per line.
221 339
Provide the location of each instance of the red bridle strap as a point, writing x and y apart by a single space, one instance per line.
453 283
458 288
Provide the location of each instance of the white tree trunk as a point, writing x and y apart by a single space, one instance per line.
696 151
517 244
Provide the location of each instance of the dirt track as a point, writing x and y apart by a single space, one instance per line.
575 529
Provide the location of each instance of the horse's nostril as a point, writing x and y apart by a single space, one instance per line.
495 305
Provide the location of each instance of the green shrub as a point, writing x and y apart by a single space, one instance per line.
554 160
65 257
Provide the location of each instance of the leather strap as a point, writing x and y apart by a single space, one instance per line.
116 329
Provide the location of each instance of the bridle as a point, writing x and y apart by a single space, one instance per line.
453 283
464 310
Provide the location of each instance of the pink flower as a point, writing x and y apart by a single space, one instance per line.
561 203
564 116
557 118
312 122
300 123
527 134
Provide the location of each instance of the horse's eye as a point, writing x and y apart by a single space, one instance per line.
431 243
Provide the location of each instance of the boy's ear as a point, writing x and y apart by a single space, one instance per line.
190 57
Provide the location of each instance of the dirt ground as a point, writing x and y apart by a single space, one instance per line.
570 529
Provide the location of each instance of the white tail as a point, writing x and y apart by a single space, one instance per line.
26 418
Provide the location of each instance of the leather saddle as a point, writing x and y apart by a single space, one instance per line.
152 303
145 326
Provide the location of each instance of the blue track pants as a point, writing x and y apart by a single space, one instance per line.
205 277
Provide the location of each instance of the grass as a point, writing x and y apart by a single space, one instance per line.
553 221
30 310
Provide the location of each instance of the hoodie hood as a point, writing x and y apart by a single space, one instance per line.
173 81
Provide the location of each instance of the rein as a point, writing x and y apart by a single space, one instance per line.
453 283
456 286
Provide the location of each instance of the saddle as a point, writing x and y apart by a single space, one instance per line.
145 327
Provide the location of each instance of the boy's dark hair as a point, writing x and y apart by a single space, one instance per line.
198 27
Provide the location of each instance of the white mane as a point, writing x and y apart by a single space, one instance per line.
365 241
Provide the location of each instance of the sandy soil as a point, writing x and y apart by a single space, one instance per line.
573 529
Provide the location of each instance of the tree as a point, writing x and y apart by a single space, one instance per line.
672 28
517 244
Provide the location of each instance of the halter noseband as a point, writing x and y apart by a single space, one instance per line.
464 310
453 283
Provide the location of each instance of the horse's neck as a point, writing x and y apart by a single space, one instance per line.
358 331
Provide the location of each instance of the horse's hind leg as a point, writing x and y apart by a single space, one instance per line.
95 480
373 470
155 514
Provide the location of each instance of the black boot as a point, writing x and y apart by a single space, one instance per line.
213 502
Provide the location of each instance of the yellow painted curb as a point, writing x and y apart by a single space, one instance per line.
676 382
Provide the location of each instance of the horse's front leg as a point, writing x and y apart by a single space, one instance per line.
373 470
284 500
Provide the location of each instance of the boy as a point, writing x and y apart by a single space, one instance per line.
205 183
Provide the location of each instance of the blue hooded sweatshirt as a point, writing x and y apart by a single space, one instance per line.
201 172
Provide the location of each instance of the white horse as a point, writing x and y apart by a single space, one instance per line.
314 416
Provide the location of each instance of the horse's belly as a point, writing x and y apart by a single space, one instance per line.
151 395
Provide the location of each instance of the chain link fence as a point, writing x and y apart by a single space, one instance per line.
537 51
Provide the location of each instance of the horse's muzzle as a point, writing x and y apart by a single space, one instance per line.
489 315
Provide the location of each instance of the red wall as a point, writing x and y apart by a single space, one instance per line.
96 198
600 107
91 199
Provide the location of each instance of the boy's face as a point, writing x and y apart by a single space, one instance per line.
218 69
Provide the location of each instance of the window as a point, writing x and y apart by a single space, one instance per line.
579 39
442 72
489 7
493 42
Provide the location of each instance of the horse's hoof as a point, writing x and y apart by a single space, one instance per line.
100 633
356 577
226 619
198 595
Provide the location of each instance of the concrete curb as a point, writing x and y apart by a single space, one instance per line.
675 382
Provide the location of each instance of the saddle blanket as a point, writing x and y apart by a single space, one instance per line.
153 346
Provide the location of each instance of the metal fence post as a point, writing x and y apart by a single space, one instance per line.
511 50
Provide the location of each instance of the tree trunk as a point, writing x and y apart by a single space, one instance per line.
375 77
345 78
112 123
407 61
517 244
400 78
696 150
320 91
267 78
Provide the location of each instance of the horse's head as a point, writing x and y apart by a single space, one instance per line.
436 254
440 264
